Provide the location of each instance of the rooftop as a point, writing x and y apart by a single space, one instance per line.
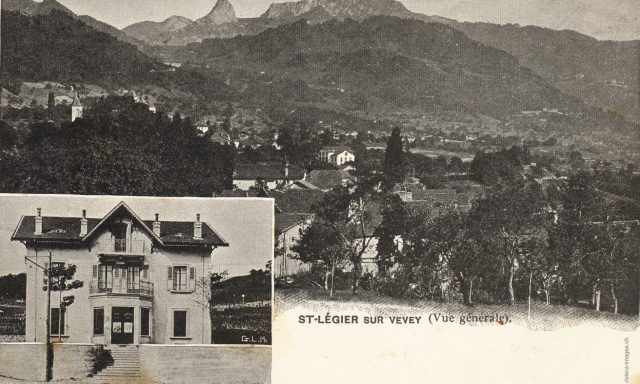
327 178
285 221
267 171
67 230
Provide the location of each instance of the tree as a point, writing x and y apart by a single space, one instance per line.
51 101
511 223
62 280
341 233
394 225
394 159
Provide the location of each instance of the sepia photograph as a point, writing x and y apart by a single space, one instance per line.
105 288
203 191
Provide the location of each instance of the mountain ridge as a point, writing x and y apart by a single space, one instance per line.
33 8
222 13
385 63
147 30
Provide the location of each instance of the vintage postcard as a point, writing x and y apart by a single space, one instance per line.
313 191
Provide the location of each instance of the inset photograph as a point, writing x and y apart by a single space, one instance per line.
155 289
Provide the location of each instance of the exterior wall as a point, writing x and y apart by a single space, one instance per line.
79 316
344 157
76 112
287 265
227 364
13 357
369 257
245 185
333 157
70 361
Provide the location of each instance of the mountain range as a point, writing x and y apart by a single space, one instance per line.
33 8
600 73
378 64
603 74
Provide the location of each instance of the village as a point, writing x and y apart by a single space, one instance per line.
172 188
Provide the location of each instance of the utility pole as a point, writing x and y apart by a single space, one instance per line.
49 354
49 346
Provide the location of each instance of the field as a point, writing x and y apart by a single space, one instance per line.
12 322
249 324
542 318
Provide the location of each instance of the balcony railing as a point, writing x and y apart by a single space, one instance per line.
123 246
143 288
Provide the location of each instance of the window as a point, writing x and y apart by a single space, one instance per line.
57 322
179 323
180 282
144 321
105 280
98 321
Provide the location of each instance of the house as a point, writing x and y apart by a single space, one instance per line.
220 136
302 184
140 277
271 175
327 179
76 108
336 155
297 200
288 226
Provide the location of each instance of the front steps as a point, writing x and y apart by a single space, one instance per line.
125 367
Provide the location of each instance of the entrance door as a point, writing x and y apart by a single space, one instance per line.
120 279
122 325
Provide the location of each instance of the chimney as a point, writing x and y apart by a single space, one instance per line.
83 223
156 226
197 228
38 229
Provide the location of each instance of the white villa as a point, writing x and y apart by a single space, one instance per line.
336 155
76 108
140 277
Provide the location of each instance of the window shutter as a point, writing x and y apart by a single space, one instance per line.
192 278
95 271
145 274
116 272
169 278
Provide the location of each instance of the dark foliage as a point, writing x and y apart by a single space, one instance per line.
13 287
119 148
394 159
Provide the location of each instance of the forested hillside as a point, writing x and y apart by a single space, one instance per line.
382 62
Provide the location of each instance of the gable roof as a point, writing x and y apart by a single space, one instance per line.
337 149
67 230
122 206
444 196
267 171
297 200
286 221
76 101
327 179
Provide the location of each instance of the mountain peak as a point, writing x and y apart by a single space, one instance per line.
30 7
340 9
222 13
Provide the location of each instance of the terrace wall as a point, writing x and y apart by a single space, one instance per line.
27 361
202 363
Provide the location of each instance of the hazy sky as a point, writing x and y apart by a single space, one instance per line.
605 19
246 224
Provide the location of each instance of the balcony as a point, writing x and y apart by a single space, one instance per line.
142 288
123 247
